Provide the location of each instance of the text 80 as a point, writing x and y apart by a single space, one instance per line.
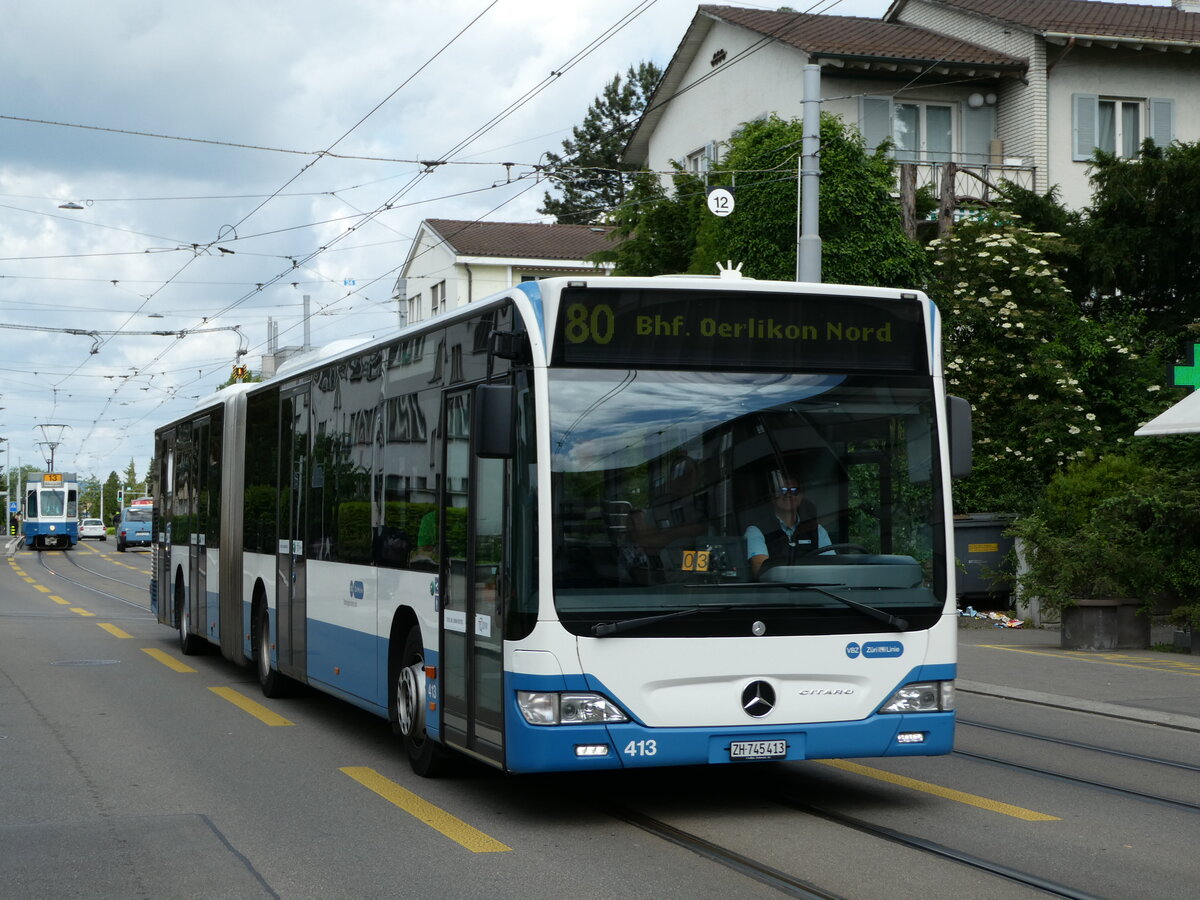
595 325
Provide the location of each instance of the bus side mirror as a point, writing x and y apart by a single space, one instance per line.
492 421
958 415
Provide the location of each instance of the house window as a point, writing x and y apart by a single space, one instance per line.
920 131
437 298
1119 127
923 132
1115 124
700 161
414 309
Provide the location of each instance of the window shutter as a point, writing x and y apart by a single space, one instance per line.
1085 110
875 120
1162 121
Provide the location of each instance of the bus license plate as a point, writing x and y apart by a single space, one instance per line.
758 750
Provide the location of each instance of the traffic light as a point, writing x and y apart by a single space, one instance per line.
120 498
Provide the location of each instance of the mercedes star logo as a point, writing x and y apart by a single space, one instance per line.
758 699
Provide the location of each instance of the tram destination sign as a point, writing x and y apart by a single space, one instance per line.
600 326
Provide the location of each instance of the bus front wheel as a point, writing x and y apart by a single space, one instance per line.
408 709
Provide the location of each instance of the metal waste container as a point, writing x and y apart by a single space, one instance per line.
984 562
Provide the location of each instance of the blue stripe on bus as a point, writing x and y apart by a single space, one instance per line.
355 657
540 748
534 292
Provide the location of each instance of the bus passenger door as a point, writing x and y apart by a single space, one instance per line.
291 622
160 581
197 596
472 660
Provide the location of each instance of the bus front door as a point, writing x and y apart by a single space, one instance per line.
291 591
472 635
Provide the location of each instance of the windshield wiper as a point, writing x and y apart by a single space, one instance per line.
900 624
603 629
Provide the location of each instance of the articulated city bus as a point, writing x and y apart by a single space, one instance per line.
591 523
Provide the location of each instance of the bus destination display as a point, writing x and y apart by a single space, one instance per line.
673 329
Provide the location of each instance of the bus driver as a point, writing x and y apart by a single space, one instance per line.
793 532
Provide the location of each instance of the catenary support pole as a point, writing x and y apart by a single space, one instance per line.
808 238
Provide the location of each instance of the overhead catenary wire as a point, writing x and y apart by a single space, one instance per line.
302 260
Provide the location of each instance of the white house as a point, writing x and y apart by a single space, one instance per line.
452 262
1017 89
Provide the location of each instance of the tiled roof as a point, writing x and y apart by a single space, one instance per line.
850 36
1089 17
521 240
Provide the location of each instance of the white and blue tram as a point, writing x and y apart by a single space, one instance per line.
523 531
51 518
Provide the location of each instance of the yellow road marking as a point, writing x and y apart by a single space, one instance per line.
167 660
244 703
437 819
28 580
42 588
59 600
114 630
82 612
1006 809
1124 660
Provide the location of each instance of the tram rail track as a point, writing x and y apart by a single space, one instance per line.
794 886
42 561
1082 745
786 884
941 851
1082 781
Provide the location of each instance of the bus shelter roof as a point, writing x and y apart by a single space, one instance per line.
1182 418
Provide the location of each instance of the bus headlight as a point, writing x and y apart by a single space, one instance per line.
555 708
924 696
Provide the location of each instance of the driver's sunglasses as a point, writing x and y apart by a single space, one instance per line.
783 492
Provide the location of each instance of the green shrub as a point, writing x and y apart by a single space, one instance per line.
1114 527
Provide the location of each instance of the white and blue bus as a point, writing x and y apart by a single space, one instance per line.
51 519
523 531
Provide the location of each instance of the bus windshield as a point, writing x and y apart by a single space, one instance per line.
697 503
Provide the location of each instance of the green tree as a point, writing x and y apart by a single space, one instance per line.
589 173
1142 233
656 233
1047 383
111 486
130 476
863 241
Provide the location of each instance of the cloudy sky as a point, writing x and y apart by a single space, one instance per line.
232 156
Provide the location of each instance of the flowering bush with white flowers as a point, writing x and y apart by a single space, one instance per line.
1046 382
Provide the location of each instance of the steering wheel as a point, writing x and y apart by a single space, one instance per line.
853 548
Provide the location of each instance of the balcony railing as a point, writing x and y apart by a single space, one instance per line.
974 180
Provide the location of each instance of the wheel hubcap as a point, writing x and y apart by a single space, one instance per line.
410 701
264 650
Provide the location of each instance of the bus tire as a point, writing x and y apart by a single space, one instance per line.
408 707
189 644
272 682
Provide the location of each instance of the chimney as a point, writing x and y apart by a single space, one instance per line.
1189 6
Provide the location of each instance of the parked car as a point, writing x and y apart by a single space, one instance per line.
93 528
134 527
